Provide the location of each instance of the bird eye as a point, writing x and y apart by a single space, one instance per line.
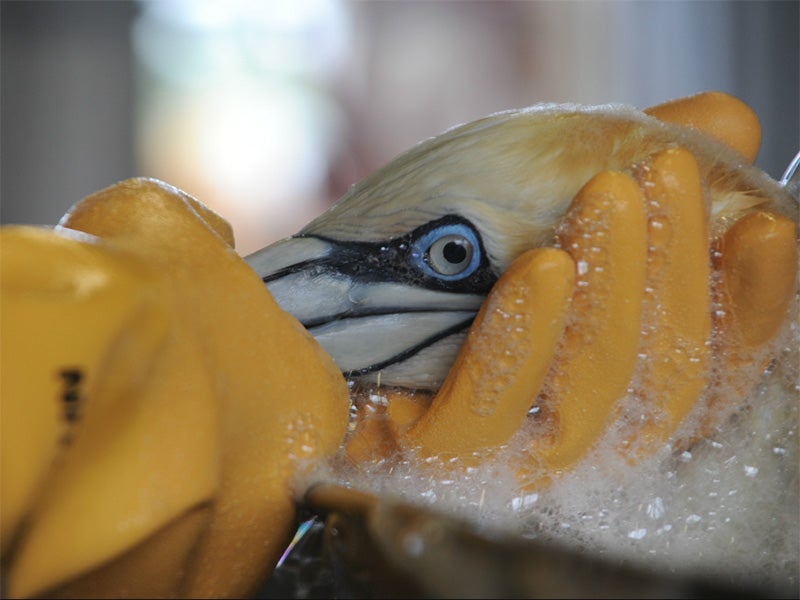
448 252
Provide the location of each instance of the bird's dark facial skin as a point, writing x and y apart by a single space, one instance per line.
399 308
444 255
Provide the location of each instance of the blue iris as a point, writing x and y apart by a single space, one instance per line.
448 252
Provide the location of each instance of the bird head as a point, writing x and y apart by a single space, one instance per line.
390 278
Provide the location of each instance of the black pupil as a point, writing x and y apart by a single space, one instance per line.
454 252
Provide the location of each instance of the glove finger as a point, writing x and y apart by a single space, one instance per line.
605 231
757 261
379 426
153 568
504 361
717 114
676 342
758 256
106 326
372 439
65 303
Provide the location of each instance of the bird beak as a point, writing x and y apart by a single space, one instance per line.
377 321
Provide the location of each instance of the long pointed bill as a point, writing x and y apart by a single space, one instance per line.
376 319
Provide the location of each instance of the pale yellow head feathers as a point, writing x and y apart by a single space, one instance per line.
514 173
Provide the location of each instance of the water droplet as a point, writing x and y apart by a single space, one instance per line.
378 399
637 534
429 495
660 232
750 471
523 502
655 508
665 529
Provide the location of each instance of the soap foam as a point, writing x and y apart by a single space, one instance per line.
726 506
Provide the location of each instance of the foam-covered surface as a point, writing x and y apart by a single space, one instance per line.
725 507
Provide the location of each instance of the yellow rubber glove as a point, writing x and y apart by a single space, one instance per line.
624 306
156 403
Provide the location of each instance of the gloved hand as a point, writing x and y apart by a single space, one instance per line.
173 450
626 304
156 403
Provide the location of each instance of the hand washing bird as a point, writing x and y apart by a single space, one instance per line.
407 257
531 286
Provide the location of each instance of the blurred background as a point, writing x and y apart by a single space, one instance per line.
269 110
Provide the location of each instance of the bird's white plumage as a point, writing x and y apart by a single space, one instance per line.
514 173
